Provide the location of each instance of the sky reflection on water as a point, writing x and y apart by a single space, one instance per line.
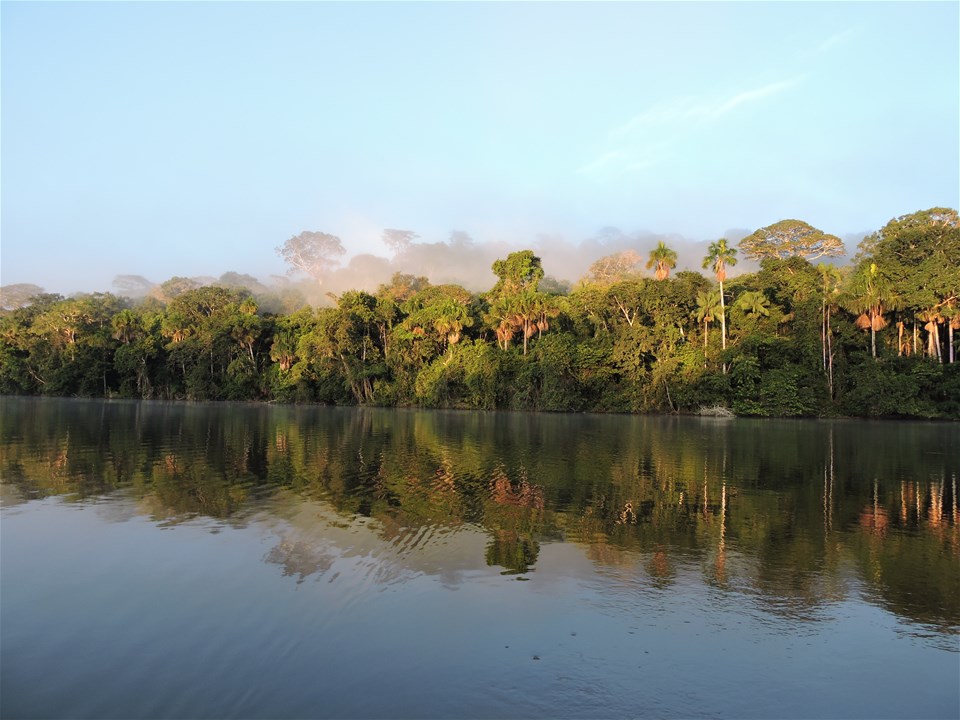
238 561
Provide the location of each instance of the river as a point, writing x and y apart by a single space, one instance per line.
174 560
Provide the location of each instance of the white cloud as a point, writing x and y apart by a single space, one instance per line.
752 95
836 39
647 138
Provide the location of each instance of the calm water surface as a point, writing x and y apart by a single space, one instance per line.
177 560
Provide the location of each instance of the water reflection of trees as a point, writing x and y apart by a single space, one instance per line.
779 509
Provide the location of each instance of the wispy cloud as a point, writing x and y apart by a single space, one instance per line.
665 113
645 139
752 95
839 38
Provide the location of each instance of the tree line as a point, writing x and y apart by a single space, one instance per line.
871 338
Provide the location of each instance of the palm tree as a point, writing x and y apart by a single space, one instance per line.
548 307
663 259
831 288
931 319
719 256
754 302
528 314
502 319
870 295
707 303
126 326
450 320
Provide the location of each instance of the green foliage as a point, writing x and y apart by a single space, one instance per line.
901 387
719 257
795 345
914 261
518 271
662 260
791 238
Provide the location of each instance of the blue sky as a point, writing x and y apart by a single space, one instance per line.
177 138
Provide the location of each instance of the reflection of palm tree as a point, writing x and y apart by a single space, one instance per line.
659 566
828 477
721 564
514 553
874 517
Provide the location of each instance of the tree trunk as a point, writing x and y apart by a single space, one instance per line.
950 336
873 340
829 356
931 343
723 320
669 400
823 331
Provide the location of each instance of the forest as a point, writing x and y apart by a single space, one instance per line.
799 337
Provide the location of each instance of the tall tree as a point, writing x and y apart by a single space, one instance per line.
399 241
132 286
515 303
831 290
18 295
719 257
173 288
444 309
314 253
919 252
791 238
708 306
613 268
518 271
870 294
663 259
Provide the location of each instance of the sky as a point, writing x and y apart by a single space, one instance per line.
178 138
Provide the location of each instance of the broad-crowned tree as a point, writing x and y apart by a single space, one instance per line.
313 253
791 238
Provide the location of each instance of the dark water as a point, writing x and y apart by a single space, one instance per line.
173 560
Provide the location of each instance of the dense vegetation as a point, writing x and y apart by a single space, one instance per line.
875 338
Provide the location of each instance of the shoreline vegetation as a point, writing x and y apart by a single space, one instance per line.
800 337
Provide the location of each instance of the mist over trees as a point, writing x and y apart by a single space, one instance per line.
637 329
458 259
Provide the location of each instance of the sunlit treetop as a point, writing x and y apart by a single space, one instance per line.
662 260
313 253
520 270
791 238
613 268
720 256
